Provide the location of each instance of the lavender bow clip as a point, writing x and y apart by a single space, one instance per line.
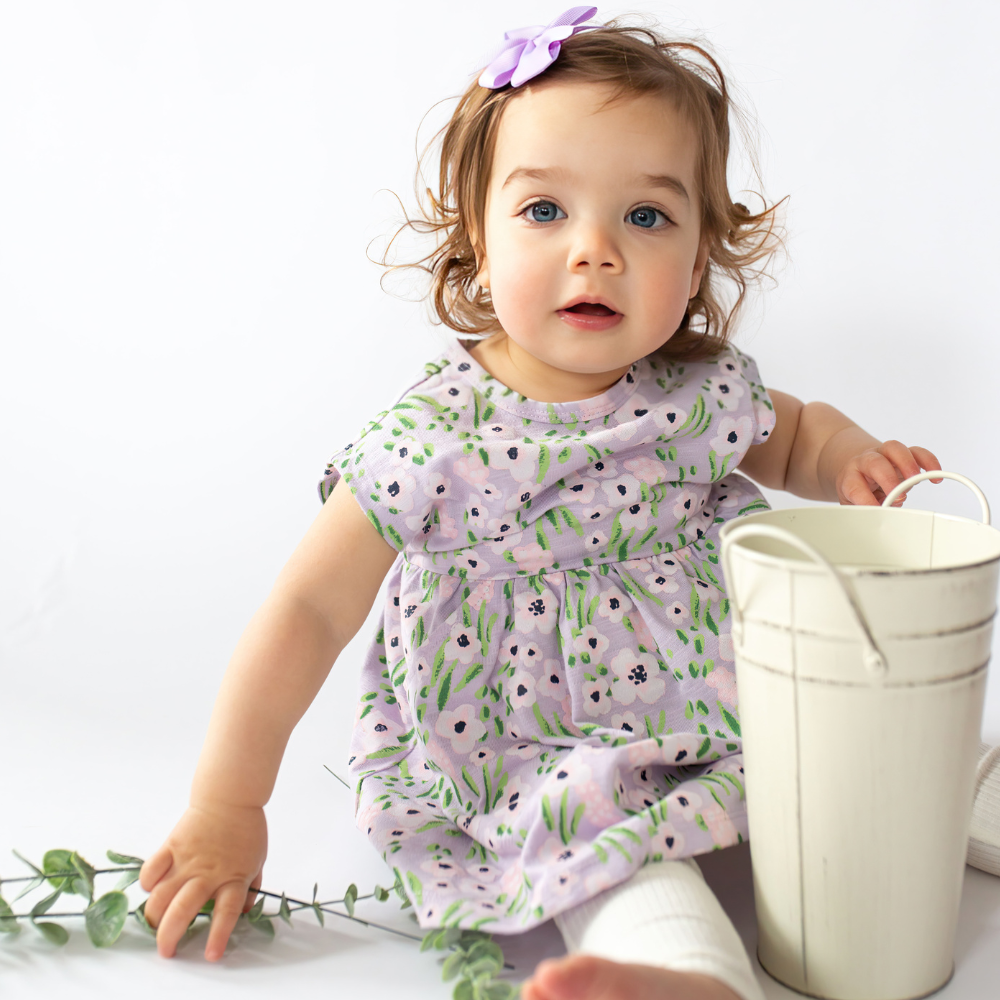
526 52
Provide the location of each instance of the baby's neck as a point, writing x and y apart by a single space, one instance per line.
533 378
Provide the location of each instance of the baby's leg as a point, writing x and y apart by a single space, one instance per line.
661 934
984 835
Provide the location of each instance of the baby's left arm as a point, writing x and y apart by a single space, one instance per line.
816 452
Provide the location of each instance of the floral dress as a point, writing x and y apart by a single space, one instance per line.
550 701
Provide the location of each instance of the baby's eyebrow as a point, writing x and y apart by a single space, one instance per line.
667 181
535 173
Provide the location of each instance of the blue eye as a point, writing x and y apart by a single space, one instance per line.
544 211
646 217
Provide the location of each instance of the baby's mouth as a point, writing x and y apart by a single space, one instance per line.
591 309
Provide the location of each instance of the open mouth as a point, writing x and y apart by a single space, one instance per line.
591 309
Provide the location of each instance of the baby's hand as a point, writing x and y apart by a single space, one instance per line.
216 851
868 478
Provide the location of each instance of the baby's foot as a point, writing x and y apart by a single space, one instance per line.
586 977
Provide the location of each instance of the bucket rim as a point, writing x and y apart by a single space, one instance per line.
852 569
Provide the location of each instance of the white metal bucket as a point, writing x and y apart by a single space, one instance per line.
861 638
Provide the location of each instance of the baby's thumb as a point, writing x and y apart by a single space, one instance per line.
154 868
252 891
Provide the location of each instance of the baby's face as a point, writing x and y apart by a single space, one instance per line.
592 226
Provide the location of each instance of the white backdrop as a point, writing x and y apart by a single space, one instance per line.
190 327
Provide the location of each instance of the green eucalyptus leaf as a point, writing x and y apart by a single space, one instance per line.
315 890
319 914
500 991
59 861
350 897
85 883
463 991
265 924
55 933
208 907
284 912
126 880
381 894
428 940
124 859
44 905
140 918
105 918
452 936
483 967
452 965
20 857
8 922
33 884
256 911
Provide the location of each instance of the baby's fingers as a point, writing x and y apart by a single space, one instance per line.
225 913
927 461
183 908
155 867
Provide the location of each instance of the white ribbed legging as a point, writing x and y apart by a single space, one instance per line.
666 914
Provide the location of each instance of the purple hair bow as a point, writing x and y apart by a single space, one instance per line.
526 52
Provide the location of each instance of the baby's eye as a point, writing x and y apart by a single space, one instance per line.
544 211
647 218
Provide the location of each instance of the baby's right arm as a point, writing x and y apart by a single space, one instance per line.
217 850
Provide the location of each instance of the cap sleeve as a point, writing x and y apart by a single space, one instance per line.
763 408
379 467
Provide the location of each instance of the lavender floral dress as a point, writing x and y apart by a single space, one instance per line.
550 700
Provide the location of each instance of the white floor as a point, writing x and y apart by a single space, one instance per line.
80 773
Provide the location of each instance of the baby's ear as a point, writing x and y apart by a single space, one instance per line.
700 263
483 274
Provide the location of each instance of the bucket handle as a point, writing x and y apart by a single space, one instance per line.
874 659
896 493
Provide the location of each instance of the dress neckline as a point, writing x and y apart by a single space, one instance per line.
535 409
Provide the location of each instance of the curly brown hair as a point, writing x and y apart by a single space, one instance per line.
633 61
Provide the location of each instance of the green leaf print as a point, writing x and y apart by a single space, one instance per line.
702 707
374 520
474 671
689 710
700 820
416 887
547 813
443 691
540 719
468 780
385 752
543 462
571 521
699 644
438 663
710 623
683 637
564 833
731 719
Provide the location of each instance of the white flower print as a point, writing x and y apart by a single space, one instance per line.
522 690
726 646
402 818
646 470
682 747
483 872
518 498
578 489
598 882
463 727
595 540
447 526
509 649
442 870
613 604
519 459
475 513
637 674
724 681
636 516
642 634
732 435
720 827
535 611
661 583
526 751
687 504
705 591
728 366
595 697
596 513
669 418
532 557
677 614
623 432
685 802
501 529
730 494
482 593
554 850
637 406
437 486
376 729
462 644
472 562
764 416
591 642
454 394
494 431
491 492
515 795
563 883
641 565
440 758
399 492
604 468
421 521
475 889
472 469
482 755
622 490
552 683
727 391
404 450
626 721
529 652
669 841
